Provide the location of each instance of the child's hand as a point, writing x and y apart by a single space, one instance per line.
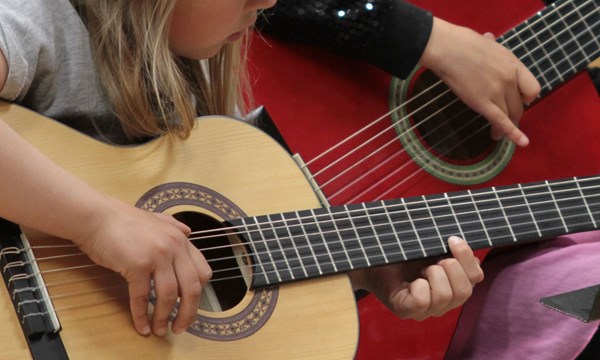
143 246
485 75
418 290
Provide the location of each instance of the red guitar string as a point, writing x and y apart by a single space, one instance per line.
391 127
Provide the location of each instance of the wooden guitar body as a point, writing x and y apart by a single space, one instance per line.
202 175
318 100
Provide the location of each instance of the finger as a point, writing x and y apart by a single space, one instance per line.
165 285
203 269
489 35
441 289
139 292
514 105
170 219
498 118
461 286
468 261
190 288
529 86
413 301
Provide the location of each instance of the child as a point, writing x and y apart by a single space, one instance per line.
124 71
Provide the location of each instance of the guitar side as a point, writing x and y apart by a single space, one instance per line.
315 318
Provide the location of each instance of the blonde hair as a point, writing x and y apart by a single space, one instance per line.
153 91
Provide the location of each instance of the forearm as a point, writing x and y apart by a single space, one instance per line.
390 34
37 193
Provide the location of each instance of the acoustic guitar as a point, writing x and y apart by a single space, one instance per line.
279 258
367 136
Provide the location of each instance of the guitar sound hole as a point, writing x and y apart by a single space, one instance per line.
446 124
228 262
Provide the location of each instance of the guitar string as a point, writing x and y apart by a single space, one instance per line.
420 241
393 110
554 10
416 172
393 141
406 254
520 44
203 235
390 158
440 82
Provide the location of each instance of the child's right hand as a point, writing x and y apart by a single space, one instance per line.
144 246
485 75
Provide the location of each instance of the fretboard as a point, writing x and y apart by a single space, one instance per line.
557 42
312 243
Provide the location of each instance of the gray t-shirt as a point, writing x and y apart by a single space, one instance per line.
51 69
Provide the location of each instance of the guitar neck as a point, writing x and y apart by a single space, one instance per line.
557 42
313 243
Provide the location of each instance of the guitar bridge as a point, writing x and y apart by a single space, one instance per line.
24 283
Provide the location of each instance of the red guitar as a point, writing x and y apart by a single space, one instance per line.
366 136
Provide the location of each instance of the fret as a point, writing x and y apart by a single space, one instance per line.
478 212
572 208
466 213
414 228
523 43
544 209
572 51
497 228
380 228
462 233
586 203
300 245
318 239
338 244
402 231
548 41
555 203
424 227
272 248
351 240
575 24
512 234
557 42
391 248
446 221
307 225
534 222
284 237
266 272
324 232
516 207
590 187
310 243
434 224
590 12
364 233
276 234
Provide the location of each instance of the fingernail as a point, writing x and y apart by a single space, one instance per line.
161 332
146 330
454 240
523 141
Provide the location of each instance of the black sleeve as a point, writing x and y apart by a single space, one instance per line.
390 34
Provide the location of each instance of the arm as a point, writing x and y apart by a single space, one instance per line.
101 227
396 36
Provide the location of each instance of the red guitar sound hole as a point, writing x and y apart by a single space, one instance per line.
443 122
